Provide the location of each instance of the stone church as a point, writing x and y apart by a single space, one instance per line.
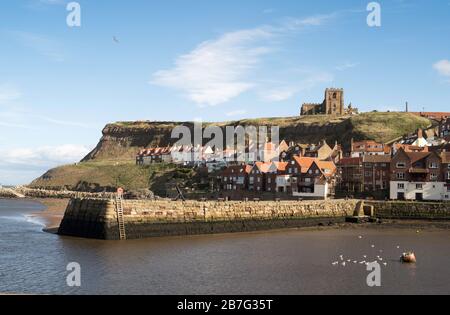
333 104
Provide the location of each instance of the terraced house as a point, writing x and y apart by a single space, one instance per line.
235 178
376 172
419 176
444 129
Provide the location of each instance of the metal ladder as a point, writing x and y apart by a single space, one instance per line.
120 220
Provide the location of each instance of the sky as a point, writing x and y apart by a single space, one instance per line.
184 60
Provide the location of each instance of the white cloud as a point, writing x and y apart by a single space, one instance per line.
47 156
218 70
443 67
236 113
213 73
43 45
8 93
346 66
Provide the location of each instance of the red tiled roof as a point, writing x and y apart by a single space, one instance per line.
350 161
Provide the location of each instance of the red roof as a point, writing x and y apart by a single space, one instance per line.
350 161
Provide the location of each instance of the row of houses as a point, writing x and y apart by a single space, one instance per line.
415 167
303 177
410 175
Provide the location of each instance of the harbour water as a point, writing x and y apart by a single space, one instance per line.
278 262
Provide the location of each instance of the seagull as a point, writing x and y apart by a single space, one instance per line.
355 262
343 264
380 259
335 263
398 247
385 264
373 246
362 262
349 260
365 256
115 40
360 237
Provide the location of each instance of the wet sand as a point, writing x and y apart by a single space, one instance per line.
53 214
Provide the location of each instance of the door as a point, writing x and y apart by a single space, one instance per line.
401 196
419 196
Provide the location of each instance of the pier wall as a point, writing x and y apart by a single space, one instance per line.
404 210
96 218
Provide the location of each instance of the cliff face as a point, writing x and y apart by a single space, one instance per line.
122 140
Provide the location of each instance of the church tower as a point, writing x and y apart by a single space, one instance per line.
334 102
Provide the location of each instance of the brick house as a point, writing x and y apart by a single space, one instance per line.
257 176
368 147
376 169
350 174
235 177
317 180
444 129
417 176
154 155
274 171
445 156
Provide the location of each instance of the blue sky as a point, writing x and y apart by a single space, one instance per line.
198 59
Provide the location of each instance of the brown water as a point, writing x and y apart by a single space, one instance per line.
283 262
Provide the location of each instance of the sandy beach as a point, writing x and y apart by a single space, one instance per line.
53 214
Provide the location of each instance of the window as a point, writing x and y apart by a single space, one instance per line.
401 186
269 180
401 165
295 170
400 175
419 186
434 165
433 176
225 179
310 171
307 180
367 174
259 179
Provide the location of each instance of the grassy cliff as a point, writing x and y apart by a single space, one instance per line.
111 163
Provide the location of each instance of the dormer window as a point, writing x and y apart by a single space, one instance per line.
401 165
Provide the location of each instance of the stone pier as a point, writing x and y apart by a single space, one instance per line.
97 218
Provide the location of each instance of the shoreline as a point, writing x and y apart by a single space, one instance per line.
53 213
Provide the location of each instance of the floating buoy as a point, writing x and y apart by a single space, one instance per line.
409 258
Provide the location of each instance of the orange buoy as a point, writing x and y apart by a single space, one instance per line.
409 258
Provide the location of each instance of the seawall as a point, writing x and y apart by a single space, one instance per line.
403 210
97 218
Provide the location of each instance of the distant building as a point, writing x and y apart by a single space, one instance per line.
444 129
419 176
154 155
376 172
350 174
333 104
433 115
368 147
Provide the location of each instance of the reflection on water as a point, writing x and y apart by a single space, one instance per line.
287 262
